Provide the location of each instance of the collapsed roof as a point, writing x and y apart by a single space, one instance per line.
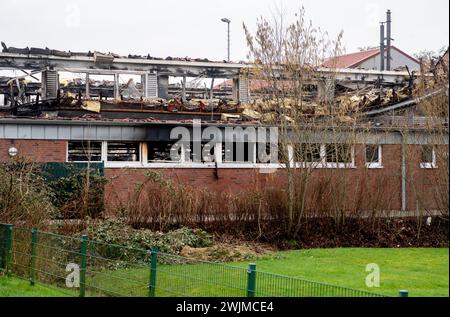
355 93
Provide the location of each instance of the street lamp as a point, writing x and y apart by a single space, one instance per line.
227 21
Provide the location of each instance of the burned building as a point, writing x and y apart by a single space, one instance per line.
128 127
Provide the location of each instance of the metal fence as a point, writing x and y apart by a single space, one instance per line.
80 267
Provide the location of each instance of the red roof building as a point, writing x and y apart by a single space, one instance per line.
370 59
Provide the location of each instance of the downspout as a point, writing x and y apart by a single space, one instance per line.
403 171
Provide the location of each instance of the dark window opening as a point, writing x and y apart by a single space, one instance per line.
160 151
307 152
372 154
79 151
338 153
123 151
427 154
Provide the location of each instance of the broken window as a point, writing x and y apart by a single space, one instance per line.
132 87
160 151
428 157
84 151
373 155
338 153
307 152
123 151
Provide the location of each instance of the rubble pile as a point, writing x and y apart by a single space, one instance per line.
345 106
73 101
370 98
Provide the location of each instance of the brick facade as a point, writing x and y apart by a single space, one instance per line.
39 151
363 187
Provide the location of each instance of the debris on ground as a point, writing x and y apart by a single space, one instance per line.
228 252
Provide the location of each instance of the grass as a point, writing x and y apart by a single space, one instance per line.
423 272
15 287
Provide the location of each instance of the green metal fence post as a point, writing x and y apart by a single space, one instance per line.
8 248
153 265
2 247
34 233
251 280
403 293
83 251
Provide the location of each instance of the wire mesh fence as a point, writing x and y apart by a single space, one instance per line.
113 270
178 276
80 267
274 285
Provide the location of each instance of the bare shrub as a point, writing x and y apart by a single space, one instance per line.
76 191
24 196
432 91
161 204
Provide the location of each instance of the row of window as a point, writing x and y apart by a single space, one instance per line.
319 155
92 151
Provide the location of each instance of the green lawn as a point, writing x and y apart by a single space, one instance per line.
15 287
423 272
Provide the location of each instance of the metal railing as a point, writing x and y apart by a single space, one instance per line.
80 267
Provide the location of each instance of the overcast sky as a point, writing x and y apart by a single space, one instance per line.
193 27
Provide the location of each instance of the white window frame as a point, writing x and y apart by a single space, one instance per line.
378 164
338 165
222 164
121 164
163 164
218 162
191 164
318 164
432 164
324 164
143 160
67 152
272 166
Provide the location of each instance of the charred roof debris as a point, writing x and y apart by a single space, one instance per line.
358 94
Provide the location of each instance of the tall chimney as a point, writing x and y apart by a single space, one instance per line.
381 46
388 39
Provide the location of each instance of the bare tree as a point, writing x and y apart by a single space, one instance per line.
287 56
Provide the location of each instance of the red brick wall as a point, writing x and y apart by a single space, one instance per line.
363 188
35 150
425 186
370 186
122 181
